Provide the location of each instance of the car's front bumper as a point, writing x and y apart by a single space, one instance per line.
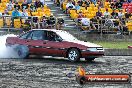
86 54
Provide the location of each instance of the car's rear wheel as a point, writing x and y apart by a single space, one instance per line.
89 59
22 51
73 55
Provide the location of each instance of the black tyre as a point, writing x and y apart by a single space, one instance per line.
89 59
22 51
73 55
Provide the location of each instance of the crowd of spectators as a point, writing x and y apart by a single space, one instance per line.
118 12
21 11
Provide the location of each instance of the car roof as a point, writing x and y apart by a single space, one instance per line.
54 30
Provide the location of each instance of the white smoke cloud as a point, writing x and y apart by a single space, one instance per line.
9 52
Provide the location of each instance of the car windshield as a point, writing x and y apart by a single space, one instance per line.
66 36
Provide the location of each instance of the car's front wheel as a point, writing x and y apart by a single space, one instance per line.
89 59
73 55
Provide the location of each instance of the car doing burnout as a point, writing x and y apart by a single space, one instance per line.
51 42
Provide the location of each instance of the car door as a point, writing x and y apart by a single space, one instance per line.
22 39
53 46
35 42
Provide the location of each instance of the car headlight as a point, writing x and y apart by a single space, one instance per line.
92 49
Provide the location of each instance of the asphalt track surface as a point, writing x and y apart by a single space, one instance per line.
51 72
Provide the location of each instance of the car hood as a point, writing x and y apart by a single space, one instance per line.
87 44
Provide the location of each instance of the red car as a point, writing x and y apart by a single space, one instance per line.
51 42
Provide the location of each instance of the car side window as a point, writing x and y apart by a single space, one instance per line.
36 35
24 36
50 36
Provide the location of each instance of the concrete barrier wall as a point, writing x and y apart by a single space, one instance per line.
104 37
118 52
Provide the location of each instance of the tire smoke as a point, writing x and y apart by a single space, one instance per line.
14 51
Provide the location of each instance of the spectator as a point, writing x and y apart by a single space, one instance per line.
113 6
70 5
129 1
80 2
43 1
6 13
82 20
33 8
15 14
85 22
122 1
106 14
118 4
0 14
51 21
24 14
9 6
14 1
127 15
80 15
38 4
60 23
125 1
43 23
24 5
120 14
77 7
17 6
100 4
29 1
94 2
114 14
99 13
87 3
